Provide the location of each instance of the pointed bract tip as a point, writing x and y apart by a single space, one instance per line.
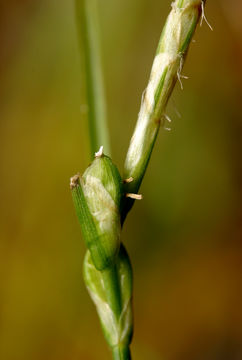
74 181
99 153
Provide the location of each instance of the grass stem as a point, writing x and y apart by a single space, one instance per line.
112 289
121 353
88 29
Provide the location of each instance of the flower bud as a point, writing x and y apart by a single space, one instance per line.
97 195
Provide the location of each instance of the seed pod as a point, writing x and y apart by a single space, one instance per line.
116 319
97 195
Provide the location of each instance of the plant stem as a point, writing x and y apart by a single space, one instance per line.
112 288
113 294
111 291
121 353
88 29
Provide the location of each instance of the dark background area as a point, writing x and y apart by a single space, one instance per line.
184 238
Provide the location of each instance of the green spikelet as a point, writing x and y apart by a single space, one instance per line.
97 196
113 298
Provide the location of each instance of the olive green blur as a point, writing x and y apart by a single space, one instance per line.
184 237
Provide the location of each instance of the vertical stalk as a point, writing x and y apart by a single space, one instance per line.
112 289
121 353
113 293
88 29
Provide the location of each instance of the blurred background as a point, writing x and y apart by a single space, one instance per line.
184 238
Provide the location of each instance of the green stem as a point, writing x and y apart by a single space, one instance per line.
112 288
111 291
87 22
121 353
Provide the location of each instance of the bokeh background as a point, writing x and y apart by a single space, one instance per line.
184 238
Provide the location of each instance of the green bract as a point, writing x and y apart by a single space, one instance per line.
97 195
115 313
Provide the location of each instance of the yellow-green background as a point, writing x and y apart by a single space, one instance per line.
184 238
